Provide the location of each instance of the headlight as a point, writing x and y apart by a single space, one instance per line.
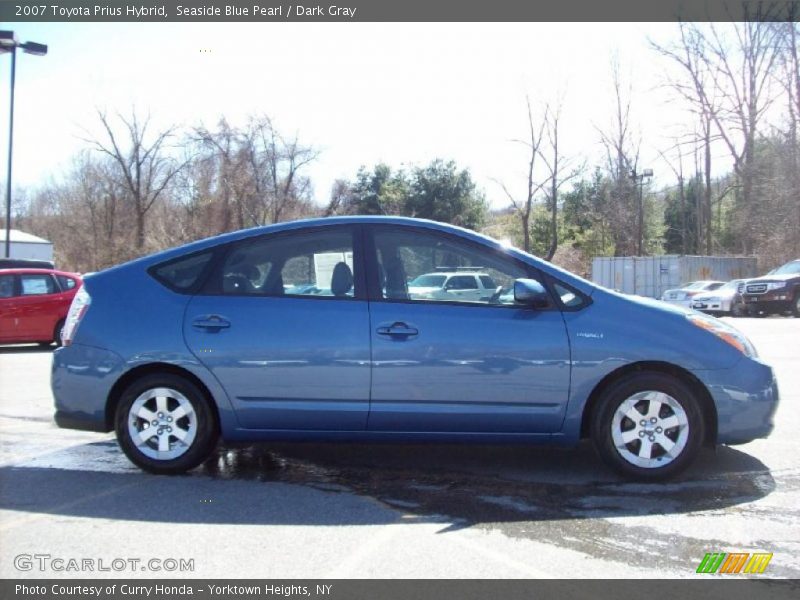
724 332
776 285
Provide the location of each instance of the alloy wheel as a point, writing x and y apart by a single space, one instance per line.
650 429
162 423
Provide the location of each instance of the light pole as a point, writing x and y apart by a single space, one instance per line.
639 177
9 43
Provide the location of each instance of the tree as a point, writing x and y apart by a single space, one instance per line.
622 157
730 71
144 168
380 191
524 207
257 174
442 192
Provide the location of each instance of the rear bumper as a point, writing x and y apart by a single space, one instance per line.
81 379
745 398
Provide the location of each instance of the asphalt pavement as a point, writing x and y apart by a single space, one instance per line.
71 505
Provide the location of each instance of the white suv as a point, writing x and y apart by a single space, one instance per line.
457 286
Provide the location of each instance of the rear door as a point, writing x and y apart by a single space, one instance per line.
38 306
8 307
283 323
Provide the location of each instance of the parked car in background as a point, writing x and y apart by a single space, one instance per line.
684 295
468 284
778 292
725 300
34 304
326 341
25 263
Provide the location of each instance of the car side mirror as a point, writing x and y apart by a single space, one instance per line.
531 293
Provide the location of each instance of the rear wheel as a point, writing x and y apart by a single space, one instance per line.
648 426
796 305
165 424
57 333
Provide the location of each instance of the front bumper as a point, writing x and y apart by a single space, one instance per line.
718 306
776 301
746 398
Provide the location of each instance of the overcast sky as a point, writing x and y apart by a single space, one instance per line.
359 92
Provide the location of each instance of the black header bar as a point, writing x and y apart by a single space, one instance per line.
397 10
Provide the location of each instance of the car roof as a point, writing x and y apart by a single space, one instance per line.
32 271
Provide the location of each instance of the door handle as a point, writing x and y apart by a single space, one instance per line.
211 323
398 330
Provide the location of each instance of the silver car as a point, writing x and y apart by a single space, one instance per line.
725 300
684 295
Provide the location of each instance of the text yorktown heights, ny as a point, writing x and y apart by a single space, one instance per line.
172 590
166 11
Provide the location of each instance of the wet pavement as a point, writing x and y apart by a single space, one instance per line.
383 510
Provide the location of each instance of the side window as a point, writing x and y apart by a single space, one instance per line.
183 273
462 282
569 297
6 286
304 264
413 265
37 285
488 282
67 283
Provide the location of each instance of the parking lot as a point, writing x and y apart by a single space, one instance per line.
358 510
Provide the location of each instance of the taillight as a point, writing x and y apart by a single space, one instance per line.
80 304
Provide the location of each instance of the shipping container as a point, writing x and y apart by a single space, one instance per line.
26 245
652 275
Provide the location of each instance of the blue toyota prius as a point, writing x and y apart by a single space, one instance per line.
383 328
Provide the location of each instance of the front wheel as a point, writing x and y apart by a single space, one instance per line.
796 306
648 426
165 424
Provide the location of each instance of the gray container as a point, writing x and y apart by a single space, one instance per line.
652 275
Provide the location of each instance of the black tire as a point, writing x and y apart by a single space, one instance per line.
204 425
690 437
57 334
796 305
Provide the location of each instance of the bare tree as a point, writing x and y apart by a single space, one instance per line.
622 156
730 70
560 172
524 208
145 168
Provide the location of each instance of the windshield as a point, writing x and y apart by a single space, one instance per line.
792 268
428 281
695 285
731 285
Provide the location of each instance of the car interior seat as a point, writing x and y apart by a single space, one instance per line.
341 280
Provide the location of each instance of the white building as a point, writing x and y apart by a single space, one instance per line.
26 245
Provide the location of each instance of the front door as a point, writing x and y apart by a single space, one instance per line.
446 363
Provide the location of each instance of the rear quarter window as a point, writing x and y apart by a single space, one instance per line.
67 283
182 274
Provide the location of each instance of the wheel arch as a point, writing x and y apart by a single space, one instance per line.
150 369
706 401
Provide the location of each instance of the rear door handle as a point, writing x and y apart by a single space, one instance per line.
397 330
211 323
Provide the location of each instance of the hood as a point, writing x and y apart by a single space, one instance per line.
727 293
768 278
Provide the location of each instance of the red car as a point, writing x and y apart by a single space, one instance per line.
34 304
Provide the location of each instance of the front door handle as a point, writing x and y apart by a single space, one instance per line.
398 330
211 323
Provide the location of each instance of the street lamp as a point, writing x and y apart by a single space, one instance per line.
639 177
9 43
